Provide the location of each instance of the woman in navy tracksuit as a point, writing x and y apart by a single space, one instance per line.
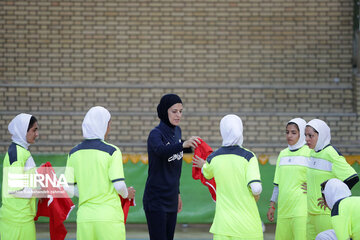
162 199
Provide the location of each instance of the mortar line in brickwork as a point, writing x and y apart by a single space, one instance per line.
184 86
191 114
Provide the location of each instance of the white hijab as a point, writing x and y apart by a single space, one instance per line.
18 129
335 190
95 123
231 129
324 133
301 123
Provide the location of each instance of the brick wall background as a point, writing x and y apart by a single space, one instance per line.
267 61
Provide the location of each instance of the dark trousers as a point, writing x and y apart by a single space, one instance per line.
161 225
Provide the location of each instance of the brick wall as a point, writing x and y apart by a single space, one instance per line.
266 61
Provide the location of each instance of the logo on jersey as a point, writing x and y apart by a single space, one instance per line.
176 156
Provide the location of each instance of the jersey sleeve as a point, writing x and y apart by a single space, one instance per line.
208 171
341 168
276 176
116 170
69 171
252 171
341 227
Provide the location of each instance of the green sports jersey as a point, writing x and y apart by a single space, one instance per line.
96 166
18 210
345 218
236 215
290 173
323 165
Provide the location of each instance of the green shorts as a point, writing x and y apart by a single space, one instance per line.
100 230
317 224
291 228
10 230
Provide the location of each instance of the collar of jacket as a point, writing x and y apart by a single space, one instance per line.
165 127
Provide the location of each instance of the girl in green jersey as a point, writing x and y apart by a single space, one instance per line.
290 176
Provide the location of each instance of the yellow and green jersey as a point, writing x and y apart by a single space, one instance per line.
96 165
14 209
345 218
290 173
234 168
323 165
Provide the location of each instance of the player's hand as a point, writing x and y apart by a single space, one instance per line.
304 187
191 142
179 204
270 214
322 203
198 161
131 192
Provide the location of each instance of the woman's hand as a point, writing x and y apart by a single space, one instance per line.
131 192
271 212
304 187
322 203
191 142
179 204
198 162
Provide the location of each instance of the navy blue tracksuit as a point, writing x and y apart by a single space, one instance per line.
160 199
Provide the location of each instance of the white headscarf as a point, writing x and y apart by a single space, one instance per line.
301 123
18 129
324 133
95 123
335 190
231 129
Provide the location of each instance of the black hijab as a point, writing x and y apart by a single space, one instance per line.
165 103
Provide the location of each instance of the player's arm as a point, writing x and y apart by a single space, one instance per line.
351 181
123 190
116 175
208 170
273 201
343 170
72 188
256 187
198 162
275 194
253 177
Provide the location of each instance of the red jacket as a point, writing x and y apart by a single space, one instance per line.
125 204
56 208
203 150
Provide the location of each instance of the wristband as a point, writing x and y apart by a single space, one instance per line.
272 207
